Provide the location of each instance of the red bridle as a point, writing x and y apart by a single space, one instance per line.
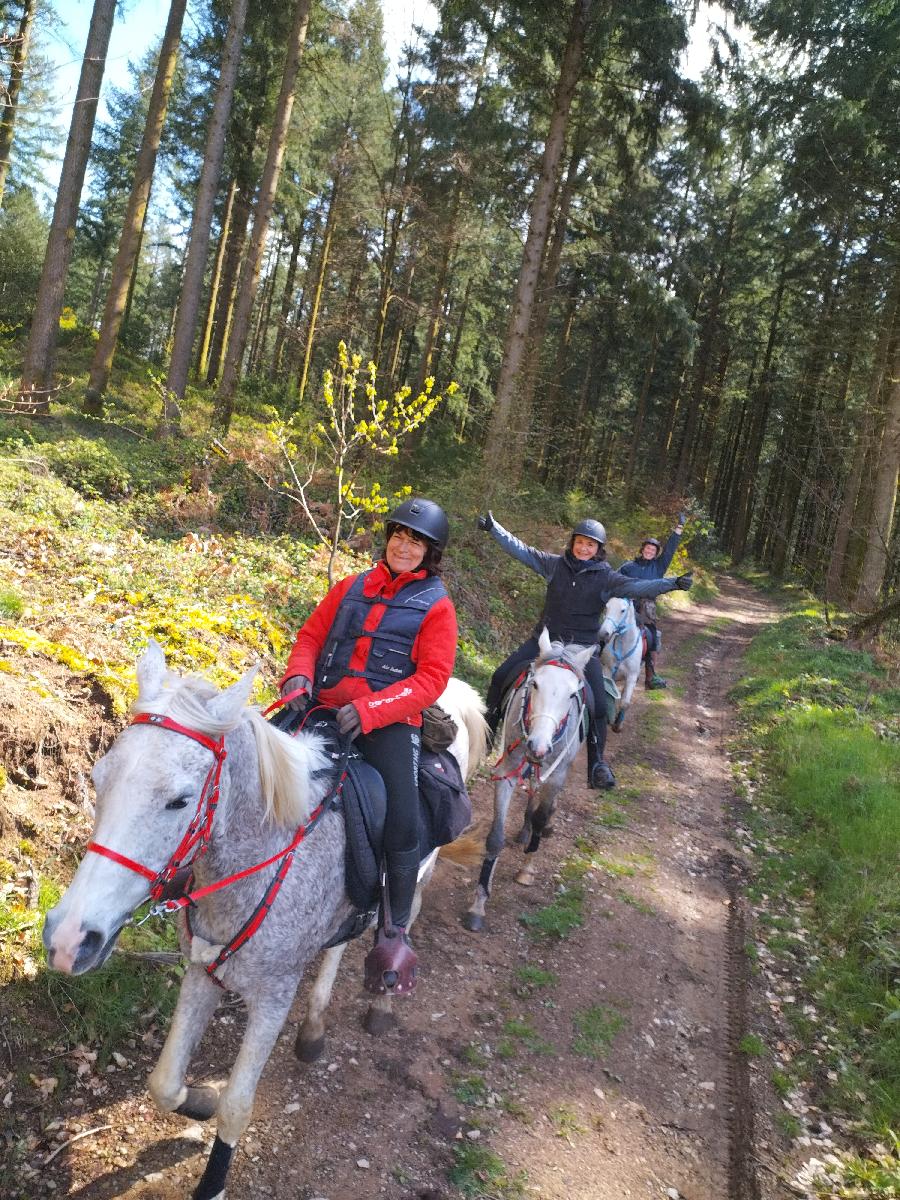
196 838
527 764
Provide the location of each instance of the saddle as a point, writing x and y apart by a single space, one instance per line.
359 795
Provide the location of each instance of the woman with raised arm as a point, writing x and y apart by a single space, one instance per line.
579 583
651 562
380 649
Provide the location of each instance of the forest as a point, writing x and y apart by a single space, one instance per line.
548 259
642 283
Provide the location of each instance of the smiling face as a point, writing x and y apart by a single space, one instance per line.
405 550
648 551
584 548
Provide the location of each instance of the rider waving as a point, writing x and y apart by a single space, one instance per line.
652 562
380 649
579 583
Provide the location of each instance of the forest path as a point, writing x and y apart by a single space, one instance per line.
615 1076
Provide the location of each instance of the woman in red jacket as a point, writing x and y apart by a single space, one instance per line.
379 649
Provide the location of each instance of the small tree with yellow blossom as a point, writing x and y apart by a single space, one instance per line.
356 427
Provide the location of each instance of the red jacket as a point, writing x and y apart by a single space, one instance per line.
433 652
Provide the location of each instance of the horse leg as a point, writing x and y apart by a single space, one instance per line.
310 1041
266 1015
196 1004
474 918
539 820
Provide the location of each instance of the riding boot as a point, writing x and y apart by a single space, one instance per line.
492 715
390 965
600 776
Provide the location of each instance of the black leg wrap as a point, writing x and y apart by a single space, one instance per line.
213 1181
535 841
487 870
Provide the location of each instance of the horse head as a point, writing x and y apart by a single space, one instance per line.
618 616
150 787
557 676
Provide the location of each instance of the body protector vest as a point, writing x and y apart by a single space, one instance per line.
574 603
390 653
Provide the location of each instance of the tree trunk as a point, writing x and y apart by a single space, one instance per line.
202 364
195 267
884 497
129 242
834 589
506 437
321 274
9 98
268 186
234 254
287 300
37 373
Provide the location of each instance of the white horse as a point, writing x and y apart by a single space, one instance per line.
622 654
541 734
259 802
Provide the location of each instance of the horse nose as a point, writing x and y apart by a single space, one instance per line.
534 748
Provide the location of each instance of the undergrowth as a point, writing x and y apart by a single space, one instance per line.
821 751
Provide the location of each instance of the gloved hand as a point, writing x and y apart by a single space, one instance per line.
682 519
348 720
683 582
293 684
486 521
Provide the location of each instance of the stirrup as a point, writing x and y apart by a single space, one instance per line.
390 966
601 776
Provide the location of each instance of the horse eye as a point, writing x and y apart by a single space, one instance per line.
181 802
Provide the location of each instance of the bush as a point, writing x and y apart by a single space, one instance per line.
89 467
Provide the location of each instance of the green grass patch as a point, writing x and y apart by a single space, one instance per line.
822 728
595 1030
752 1045
470 1089
556 921
566 1122
481 1174
531 979
520 1034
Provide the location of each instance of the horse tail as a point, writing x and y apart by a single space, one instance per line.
466 851
464 704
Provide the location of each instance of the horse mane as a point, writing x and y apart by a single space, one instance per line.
564 651
293 771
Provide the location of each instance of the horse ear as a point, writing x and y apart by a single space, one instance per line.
544 644
226 707
583 656
151 671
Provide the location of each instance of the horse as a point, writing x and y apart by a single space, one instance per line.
262 804
622 654
542 730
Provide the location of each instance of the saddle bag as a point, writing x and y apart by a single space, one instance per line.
438 729
446 809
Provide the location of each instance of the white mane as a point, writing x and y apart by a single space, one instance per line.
292 770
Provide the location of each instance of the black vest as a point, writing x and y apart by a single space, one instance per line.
390 656
573 606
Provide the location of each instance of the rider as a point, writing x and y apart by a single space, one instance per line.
380 649
652 562
579 583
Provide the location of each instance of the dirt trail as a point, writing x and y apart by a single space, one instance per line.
656 970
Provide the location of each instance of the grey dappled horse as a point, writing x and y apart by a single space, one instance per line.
153 795
541 734
622 653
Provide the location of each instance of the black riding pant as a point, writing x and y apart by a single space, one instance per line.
506 673
394 752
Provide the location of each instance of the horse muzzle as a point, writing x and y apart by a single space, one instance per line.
76 950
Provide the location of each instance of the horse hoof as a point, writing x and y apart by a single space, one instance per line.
200 1104
308 1050
473 922
378 1022
618 723
525 878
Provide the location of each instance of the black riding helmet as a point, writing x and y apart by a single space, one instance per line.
424 517
590 528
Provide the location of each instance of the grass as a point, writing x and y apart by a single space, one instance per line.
481 1174
821 729
595 1030
566 1122
531 979
752 1045
556 921
521 1034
